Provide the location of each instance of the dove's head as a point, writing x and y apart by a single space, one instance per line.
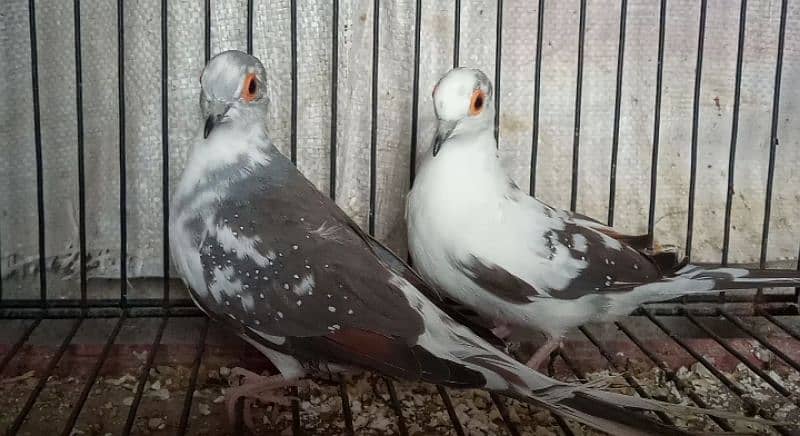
234 87
462 100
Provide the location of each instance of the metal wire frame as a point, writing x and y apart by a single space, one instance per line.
125 308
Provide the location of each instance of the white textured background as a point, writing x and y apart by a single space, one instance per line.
143 122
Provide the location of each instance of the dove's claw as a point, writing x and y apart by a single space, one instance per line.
251 386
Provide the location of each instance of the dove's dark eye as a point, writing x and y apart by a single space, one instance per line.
250 88
476 103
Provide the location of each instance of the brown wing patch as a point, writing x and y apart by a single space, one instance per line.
639 242
388 355
667 258
498 281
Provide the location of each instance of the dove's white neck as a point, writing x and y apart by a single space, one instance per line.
466 167
231 148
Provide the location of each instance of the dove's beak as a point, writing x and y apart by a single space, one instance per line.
442 133
213 120
210 122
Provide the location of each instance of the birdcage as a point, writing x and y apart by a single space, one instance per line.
676 118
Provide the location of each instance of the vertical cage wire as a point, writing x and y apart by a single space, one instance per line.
651 214
701 35
498 50
773 139
537 84
37 132
576 130
123 202
612 191
165 152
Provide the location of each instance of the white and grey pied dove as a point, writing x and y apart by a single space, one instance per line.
519 263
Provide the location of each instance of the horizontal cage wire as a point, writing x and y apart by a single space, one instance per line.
111 328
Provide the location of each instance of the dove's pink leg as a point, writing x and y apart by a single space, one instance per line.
543 353
256 387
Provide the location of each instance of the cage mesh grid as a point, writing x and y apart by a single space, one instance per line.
694 309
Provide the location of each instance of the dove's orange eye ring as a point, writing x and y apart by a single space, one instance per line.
250 88
477 102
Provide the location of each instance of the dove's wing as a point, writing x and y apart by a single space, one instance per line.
309 283
587 256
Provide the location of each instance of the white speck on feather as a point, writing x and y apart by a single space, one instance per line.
331 309
240 245
579 242
221 284
305 286
248 302
329 232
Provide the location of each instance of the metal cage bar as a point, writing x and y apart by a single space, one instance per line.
576 131
37 141
498 50
698 75
51 366
395 403
165 151
293 48
737 92
499 402
123 206
87 388
632 382
773 140
682 386
456 33
537 75
334 97
296 430
415 93
81 170
651 214
612 188
137 397
183 424
373 142
451 412
752 367
18 344
749 404
347 411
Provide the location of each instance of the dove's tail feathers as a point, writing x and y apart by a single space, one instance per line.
742 278
694 279
614 413
600 413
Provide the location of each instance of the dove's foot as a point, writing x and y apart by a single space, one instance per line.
250 386
544 353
